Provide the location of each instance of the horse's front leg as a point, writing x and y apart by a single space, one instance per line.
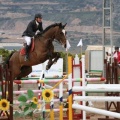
55 56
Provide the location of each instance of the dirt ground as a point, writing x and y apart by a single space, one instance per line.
92 116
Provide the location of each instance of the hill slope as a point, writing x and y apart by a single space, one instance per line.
83 18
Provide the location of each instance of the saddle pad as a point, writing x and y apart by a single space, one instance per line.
22 51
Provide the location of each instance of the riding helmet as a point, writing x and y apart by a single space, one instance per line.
38 15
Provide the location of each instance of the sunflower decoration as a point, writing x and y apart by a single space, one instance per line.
47 95
35 100
4 104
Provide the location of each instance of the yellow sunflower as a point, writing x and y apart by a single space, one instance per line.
47 95
4 104
35 100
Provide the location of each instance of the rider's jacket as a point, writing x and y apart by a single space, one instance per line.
32 28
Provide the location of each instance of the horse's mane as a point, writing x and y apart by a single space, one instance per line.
50 26
47 28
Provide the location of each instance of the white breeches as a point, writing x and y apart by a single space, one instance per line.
28 40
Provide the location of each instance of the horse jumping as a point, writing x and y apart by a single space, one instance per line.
43 50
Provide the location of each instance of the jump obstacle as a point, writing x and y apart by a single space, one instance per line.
72 89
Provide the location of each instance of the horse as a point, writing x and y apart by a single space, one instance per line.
43 50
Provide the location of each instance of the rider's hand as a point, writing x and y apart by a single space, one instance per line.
37 32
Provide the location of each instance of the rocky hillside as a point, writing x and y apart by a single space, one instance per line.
83 18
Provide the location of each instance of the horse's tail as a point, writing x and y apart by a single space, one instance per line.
6 61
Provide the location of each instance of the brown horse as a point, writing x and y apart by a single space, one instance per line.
43 50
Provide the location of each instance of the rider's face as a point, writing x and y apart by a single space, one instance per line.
39 20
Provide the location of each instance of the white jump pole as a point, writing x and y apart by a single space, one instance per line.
96 98
83 84
95 110
98 88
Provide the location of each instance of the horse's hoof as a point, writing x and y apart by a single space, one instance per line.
47 67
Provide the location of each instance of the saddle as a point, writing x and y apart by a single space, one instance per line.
32 46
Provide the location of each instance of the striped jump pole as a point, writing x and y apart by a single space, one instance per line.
55 80
45 81
95 79
36 81
35 91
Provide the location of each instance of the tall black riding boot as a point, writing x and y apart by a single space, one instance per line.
27 52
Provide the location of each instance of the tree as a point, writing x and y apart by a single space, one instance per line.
5 53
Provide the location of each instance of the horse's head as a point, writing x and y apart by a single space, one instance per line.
60 34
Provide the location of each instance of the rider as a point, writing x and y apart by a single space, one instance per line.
117 54
34 27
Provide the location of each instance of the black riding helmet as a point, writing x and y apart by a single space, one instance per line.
38 15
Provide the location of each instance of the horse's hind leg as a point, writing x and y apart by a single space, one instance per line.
25 70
